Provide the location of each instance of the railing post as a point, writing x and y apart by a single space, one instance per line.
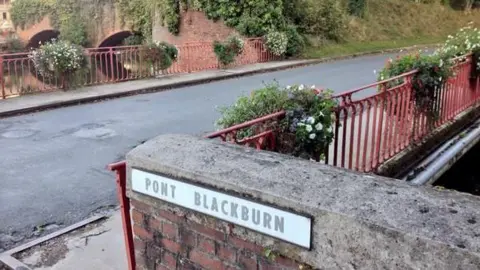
121 177
110 52
2 79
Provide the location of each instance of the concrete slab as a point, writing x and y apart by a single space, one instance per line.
98 246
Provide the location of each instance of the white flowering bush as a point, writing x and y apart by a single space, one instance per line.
306 131
277 42
58 59
309 115
465 41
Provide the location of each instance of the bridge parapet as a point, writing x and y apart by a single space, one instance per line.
357 221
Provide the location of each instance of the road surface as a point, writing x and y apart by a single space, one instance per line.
52 166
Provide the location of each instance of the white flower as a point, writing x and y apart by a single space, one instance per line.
288 87
319 126
300 124
309 128
329 129
312 136
313 87
301 87
310 120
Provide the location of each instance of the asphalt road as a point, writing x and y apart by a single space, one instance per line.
52 165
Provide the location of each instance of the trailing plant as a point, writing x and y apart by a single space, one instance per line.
159 55
427 83
133 40
27 12
64 16
277 42
58 59
306 131
140 14
228 50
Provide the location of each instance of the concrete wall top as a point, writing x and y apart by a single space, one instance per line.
359 221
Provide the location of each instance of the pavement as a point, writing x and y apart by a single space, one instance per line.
55 171
97 246
32 103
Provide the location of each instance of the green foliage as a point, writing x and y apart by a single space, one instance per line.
432 73
276 42
307 127
171 15
310 117
228 50
159 55
358 7
14 45
296 42
73 30
250 18
133 40
138 14
324 19
64 16
27 12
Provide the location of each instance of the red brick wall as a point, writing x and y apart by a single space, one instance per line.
194 26
174 238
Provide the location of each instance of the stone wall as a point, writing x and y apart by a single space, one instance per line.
358 221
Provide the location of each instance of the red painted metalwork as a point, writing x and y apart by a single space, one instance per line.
372 126
122 63
265 139
121 176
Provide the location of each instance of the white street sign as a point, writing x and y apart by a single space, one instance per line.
271 221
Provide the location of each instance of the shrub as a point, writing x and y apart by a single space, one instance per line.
133 40
306 131
358 7
276 42
159 55
73 30
14 45
59 59
228 50
296 42
323 19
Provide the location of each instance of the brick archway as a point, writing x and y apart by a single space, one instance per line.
42 37
115 39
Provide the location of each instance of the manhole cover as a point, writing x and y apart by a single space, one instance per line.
95 133
19 133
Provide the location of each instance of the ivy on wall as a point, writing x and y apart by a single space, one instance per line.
64 16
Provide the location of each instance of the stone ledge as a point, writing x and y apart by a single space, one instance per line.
359 221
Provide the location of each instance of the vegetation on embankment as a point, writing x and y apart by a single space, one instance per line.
389 24
318 28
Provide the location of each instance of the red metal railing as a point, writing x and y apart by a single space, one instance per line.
116 64
372 126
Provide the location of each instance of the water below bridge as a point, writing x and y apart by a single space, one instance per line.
464 176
